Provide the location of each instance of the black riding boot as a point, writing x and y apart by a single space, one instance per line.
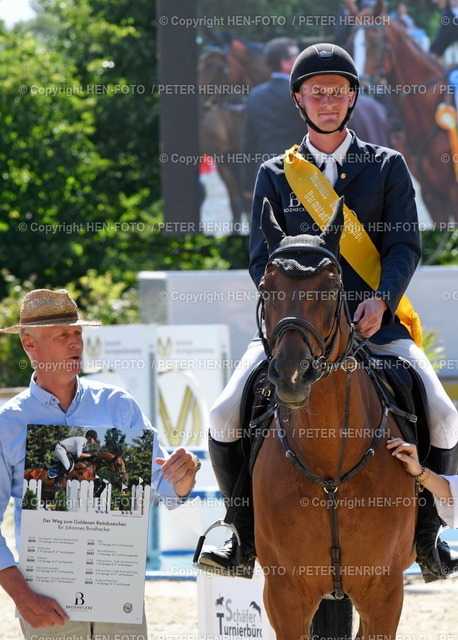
228 462
436 561
59 479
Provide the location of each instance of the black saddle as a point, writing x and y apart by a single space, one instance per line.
401 388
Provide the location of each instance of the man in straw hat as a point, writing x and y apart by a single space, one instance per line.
50 330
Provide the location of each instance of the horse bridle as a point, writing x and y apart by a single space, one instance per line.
319 361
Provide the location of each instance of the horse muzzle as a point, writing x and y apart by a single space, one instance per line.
292 382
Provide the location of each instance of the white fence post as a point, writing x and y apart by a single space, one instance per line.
34 486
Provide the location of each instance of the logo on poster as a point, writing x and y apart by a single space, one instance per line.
80 604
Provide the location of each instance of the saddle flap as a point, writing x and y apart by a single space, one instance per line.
256 411
406 390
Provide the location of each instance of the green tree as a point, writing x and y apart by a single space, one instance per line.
138 457
41 441
114 441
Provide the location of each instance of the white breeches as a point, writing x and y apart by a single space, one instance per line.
443 417
61 453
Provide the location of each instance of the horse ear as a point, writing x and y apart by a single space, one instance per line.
331 235
270 227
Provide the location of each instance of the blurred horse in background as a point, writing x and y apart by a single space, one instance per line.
418 85
225 76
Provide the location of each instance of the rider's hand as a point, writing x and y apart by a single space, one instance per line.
180 469
368 316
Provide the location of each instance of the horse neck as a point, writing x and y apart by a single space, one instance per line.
412 69
101 457
317 430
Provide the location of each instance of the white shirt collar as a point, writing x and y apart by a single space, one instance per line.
338 155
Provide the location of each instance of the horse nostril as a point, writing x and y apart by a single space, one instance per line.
306 369
273 372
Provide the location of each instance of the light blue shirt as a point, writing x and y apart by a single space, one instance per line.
94 405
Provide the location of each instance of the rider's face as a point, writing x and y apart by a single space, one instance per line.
326 99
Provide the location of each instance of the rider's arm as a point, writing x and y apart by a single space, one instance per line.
400 247
264 188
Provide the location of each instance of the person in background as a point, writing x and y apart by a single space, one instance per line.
445 44
272 122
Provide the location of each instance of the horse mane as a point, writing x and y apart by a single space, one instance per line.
106 455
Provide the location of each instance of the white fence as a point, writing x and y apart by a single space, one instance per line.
80 497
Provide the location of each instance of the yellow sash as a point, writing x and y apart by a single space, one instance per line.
318 197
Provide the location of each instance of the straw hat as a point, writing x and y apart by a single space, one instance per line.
45 308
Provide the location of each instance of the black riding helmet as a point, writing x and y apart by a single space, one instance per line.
318 60
91 434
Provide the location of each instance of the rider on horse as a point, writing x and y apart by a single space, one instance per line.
77 447
376 185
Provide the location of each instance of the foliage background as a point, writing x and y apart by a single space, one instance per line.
79 156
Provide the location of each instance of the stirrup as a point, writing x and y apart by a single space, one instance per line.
441 572
239 570
200 543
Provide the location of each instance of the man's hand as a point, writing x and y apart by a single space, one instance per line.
368 316
35 609
180 469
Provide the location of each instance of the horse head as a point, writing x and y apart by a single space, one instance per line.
302 299
118 466
115 462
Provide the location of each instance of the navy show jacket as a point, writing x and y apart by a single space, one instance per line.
377 187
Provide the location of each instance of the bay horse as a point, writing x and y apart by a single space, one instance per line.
84 469
224 78
418 84
335 513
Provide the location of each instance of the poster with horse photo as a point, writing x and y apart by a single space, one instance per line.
84 526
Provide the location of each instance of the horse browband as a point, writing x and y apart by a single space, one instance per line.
304 249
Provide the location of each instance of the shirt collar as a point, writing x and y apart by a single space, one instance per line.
45 398
279 74
338 155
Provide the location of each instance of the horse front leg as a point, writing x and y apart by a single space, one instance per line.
289 609
380 607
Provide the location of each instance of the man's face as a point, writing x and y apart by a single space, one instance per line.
326 99
286 64
56 351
